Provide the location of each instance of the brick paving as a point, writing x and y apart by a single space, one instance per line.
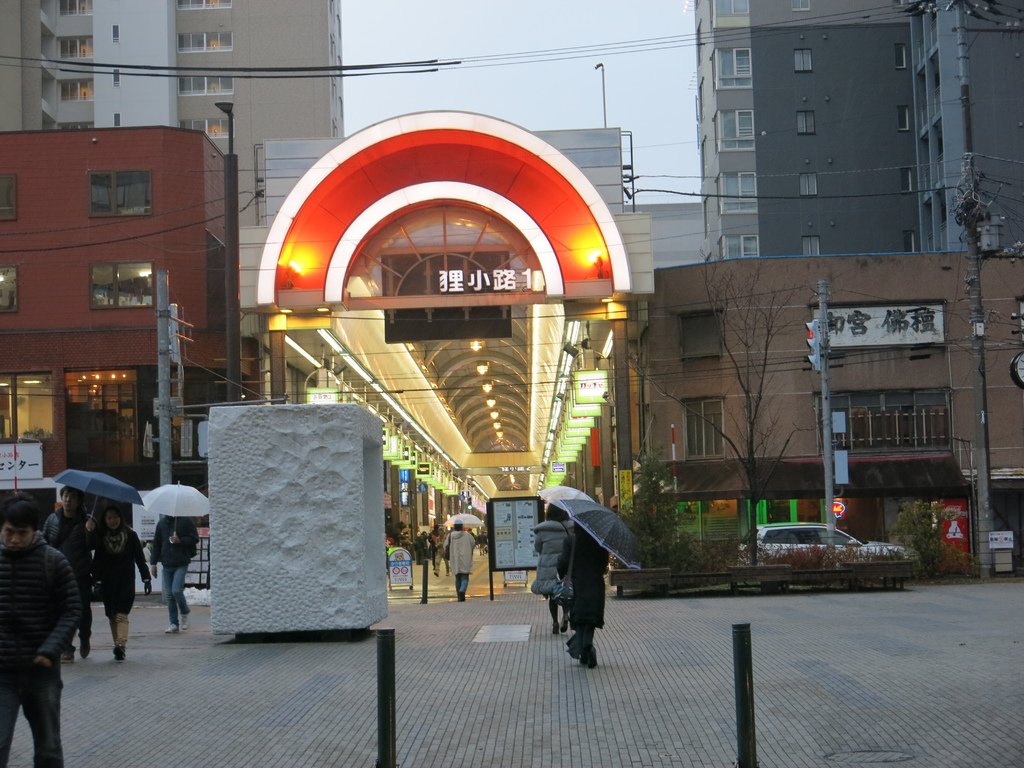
929 676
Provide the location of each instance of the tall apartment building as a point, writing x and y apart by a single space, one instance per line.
831 116
201 37
996 58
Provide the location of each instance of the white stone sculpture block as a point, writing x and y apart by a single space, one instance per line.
296 519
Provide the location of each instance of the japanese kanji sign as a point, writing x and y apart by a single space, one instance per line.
484 280
23 461
886 325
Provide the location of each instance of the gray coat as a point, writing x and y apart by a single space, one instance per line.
548 540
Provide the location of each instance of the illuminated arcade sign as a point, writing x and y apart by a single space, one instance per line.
591 386
483 281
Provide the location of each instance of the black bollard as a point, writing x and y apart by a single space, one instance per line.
743 674
386 751
423 597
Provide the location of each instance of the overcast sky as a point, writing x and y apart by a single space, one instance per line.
650 86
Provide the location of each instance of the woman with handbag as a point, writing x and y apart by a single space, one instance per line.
584 561
549 539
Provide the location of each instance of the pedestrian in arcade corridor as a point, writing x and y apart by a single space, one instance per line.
39 610
459 549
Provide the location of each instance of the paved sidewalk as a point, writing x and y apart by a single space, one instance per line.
930 676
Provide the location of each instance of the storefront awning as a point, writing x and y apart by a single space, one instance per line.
925 474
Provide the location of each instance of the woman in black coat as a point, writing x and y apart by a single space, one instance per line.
118 549
589 563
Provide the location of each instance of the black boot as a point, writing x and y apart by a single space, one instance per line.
591 657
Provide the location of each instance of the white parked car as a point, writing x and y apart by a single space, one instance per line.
780 536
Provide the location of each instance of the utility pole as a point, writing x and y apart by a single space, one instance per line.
827 447
163 376
968 214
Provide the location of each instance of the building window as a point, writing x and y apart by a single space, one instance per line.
119 193
101 418
700 335
906 179
901 55
739 246
903 117
75 7
734 68
734 187
810 245
736 129
212 126
893 420
76 90
187 5
192 42
115 33
200 86
8 197
732 7
909 241
117 78
8 289
26 405
802 60
703 428
808 184
117 119
122 285
805 121
801 5
76 47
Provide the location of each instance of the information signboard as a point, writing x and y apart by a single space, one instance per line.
510 523
399 568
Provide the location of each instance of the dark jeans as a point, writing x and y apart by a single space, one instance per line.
36 691
85 625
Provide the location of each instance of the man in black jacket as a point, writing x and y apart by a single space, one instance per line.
39 610
65 530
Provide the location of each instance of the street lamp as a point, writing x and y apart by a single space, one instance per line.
604 98
232 321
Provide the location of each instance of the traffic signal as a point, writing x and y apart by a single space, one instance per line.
814 342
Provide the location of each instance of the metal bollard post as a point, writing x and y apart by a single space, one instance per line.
423 597
386 750
743 674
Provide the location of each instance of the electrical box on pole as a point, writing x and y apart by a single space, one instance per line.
814 343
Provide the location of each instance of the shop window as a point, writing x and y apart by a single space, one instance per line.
8 289
703 428
101 418
26 405
700 335
122 285
119 193
8 197
893 420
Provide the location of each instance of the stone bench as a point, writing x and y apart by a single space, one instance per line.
658 579
892 573
771 578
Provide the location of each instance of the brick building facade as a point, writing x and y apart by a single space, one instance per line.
87 218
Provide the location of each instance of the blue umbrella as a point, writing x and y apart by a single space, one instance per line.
98 484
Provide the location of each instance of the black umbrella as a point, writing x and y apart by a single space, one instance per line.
98 484
608 529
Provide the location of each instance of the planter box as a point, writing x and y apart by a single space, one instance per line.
657 579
